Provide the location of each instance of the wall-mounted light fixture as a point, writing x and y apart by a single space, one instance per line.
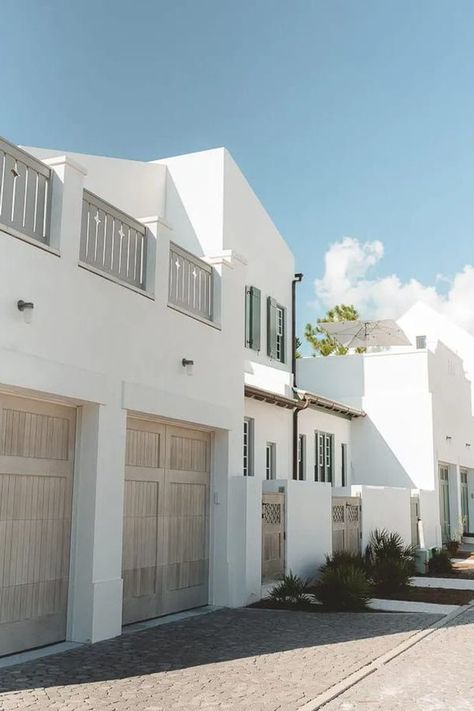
188 364
448 438
26 308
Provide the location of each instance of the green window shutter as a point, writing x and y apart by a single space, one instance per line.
255 318
252 317
271 327
283 345
248 338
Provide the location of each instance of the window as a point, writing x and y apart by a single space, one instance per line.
343 464
421 342
301 457
252 318
276 330
270 470
324 452
248 447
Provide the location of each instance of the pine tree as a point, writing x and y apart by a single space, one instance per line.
322 342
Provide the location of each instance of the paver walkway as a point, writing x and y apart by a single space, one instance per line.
437 674
234 660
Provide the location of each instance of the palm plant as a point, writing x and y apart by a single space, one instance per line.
389 562
292 590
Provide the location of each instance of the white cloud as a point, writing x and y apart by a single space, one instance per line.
347 279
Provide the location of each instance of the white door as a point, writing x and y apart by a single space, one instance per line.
36 481
444 503
166 520
465 501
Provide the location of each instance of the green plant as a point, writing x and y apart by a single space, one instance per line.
390 563
343 588
452 546
292 589
344 558
440 562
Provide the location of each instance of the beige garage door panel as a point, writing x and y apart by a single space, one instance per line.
36 477
166 520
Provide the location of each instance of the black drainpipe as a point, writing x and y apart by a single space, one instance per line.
298 278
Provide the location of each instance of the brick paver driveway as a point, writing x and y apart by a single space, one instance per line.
435 675
255 660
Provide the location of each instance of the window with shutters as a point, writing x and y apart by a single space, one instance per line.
270 459
248 447
301 457
276 330
324 457
252 317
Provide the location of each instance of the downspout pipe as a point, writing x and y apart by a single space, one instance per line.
297 279
296 412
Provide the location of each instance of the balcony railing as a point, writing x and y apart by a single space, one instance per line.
113 242
25 194
190 283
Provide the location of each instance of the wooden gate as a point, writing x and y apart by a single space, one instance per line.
273 536
346 518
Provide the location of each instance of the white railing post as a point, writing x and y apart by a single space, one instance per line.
66 206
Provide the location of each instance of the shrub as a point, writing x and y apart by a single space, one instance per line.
292 589
452 547
343 558
390 563
343 588
440 562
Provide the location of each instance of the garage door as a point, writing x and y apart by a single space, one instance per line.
166 520
36 475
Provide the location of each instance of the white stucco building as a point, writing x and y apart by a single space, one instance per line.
156 452
417 435
146 397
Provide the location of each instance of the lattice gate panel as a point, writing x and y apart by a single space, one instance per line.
273 536
346 524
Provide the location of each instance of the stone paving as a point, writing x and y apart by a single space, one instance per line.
231 660
437 674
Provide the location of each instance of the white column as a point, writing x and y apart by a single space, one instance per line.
95 603
66 206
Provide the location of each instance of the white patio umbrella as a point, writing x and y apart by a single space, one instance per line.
363 334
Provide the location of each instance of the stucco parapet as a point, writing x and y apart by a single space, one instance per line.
228 258
64 160
155 220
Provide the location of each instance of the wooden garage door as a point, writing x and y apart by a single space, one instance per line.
166 520
36 476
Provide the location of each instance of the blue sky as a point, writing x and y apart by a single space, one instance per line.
351 119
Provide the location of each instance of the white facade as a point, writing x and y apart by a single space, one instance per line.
190 332
418 418
111 350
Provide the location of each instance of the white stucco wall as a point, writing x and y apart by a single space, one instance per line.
429 514
384 508
309 526
311 420
393 444
109 350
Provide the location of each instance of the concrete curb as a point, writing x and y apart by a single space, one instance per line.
379 662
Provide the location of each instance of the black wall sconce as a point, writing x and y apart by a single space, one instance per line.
188 364
26 308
